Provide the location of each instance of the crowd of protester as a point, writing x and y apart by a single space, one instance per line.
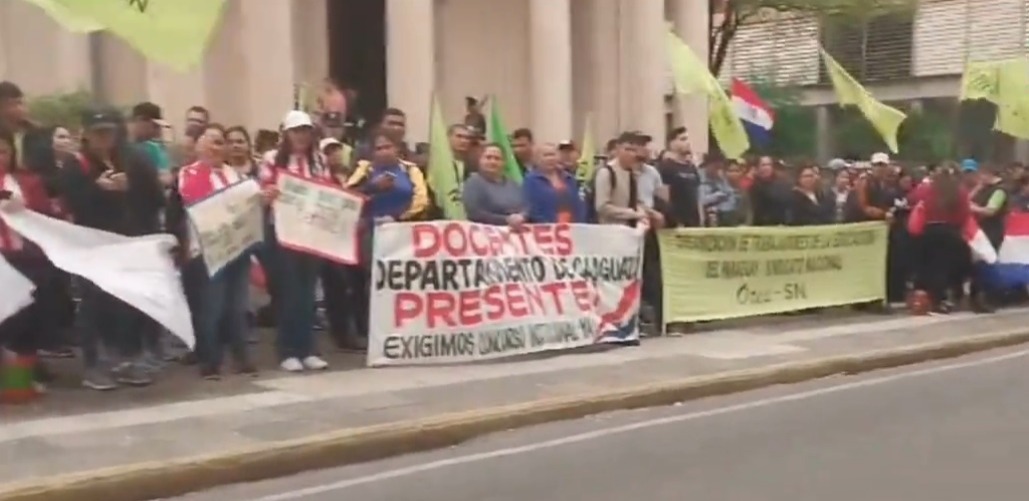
125 175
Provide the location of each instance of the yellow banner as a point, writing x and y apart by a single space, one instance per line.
719 273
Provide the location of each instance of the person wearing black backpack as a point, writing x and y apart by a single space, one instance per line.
615 190
617 201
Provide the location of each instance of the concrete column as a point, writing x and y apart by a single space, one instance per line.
176 91
411 62
690 19
605 68
74 70
124 71
225 57
39 54
311 41
823 134
644 62
266 70
550 40
129 78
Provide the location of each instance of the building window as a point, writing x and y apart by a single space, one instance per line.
876 50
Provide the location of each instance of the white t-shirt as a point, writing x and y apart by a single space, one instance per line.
648 183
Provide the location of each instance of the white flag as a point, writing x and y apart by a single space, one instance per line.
17 290
137 270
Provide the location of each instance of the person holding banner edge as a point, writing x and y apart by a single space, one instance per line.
551 191
297 272
490 197
23 332
110 187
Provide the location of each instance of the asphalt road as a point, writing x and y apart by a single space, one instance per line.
950 431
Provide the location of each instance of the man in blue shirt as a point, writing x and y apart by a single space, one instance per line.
147 127
717 197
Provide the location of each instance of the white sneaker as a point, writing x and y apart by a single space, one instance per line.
291 365
315 364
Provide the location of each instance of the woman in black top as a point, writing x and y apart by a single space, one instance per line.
809 204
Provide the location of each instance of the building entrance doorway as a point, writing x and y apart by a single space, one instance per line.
357 52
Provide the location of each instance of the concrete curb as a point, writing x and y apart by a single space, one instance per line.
154 480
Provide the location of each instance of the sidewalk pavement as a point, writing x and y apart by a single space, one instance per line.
137 447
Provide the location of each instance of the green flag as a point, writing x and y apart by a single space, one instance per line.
498 135
587 157
173 32
445 174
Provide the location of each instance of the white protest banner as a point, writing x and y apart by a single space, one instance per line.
17 290
318 219
136 270
227 224
453 291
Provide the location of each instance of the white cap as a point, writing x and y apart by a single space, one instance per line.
880 158
295 119
329 141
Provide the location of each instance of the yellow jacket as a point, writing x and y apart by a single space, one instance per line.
420 198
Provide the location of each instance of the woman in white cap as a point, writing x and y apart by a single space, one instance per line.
298 272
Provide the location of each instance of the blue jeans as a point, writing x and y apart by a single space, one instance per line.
267 258
223 315
297 276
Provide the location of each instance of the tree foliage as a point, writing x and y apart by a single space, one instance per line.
728 16
60 109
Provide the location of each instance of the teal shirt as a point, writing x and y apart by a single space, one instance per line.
156 154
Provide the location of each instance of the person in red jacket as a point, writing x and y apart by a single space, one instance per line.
21 188
944 253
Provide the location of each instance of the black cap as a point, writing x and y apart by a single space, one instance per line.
147 111
10 90
641 137
102 117
633 137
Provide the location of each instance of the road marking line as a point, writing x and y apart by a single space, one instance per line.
605 432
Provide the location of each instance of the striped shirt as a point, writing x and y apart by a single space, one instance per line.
199 180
